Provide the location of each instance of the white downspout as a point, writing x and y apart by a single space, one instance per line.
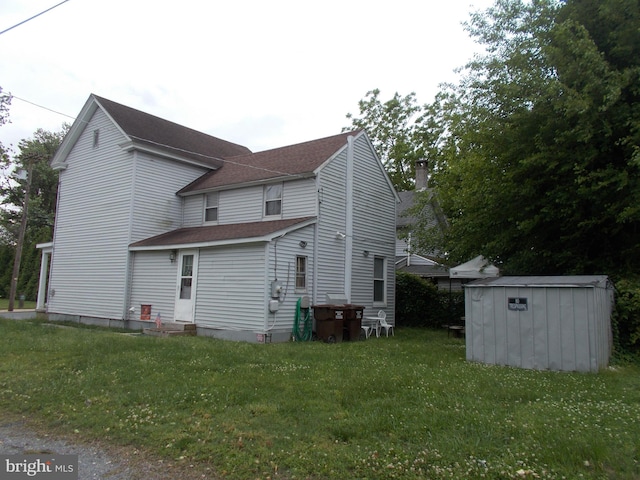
316 247
128 275
348 255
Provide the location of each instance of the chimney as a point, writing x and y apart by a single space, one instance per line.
421 175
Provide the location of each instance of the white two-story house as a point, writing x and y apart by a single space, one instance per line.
154 218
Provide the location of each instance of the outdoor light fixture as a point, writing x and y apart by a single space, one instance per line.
303 244
365 253
340 236
172 256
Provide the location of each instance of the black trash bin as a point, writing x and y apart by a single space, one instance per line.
353 322
329 322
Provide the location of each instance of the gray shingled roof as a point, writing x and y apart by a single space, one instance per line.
219 233
294 160
162 134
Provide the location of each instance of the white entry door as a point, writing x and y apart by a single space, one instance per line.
186 288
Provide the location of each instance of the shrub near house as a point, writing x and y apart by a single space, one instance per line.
421 304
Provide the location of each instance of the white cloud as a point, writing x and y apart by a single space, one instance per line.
264 74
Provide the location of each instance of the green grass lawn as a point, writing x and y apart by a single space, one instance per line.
404 407
4 304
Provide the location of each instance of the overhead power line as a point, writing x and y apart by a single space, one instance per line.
163 145
224 160
41 106
31 18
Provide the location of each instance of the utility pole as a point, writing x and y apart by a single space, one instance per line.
21 233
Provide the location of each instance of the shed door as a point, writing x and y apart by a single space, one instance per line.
186 288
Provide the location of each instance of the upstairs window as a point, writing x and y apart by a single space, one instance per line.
273 200
96 138
211 207
379 282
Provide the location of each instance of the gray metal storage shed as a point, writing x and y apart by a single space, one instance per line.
540 322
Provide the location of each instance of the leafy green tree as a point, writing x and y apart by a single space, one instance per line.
393 129
35 155
536 159
5 103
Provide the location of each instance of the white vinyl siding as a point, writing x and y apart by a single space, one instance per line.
108 198
154 283
240 205
246 204
192 210
331 250
231 288
373 229
299 198
234 283
88 268
282 265
156 207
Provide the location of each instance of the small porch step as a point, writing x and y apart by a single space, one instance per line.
172 329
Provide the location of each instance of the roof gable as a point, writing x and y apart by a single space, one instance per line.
299 160
153 133
151 130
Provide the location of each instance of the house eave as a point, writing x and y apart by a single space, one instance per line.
217 243
132 145
45 247
231 240
263 181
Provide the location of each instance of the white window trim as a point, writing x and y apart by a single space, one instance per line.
378 303
206 208
306 274
264 202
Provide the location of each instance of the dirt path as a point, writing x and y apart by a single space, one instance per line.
96 461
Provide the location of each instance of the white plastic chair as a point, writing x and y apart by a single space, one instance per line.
367 330
372 325
382 316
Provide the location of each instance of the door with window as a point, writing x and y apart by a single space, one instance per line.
186 288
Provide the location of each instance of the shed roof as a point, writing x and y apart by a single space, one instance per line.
221 234
544 281
301 159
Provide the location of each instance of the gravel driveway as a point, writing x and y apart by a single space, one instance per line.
95 461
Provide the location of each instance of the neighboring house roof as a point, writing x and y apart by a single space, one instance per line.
407 201
302 159
222 234
153 133
421 266
431 209
478 267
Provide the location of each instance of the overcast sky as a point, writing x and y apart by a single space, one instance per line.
261 73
